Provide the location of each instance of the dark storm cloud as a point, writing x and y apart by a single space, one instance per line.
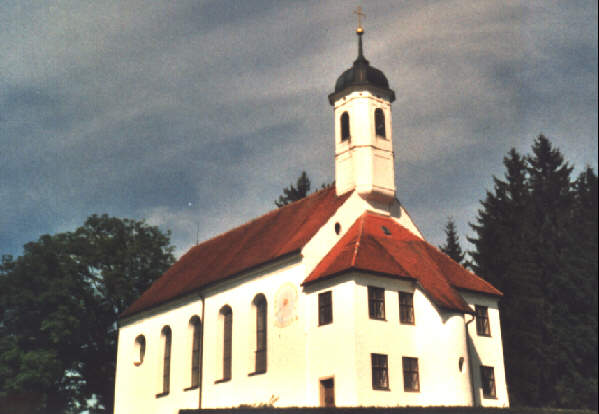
195 114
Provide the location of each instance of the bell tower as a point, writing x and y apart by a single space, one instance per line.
363 140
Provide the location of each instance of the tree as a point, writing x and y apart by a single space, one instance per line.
294 193
452 246
59 303
531 243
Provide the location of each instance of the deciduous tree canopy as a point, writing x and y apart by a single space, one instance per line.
59 303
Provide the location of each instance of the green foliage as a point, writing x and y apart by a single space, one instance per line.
536 240
59 303
294 193
452 246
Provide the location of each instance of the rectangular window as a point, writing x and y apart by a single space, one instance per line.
406 308
325 308
380 372
376 302
482 321
411 380
487 375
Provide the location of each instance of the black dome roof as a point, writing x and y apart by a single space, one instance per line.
361 76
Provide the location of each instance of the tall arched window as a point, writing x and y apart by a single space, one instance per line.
261 319
379 122
344 126
227 317
166 361
196 354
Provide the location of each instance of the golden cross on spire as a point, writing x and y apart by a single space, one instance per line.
360 14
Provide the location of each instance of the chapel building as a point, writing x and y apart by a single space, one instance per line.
336 299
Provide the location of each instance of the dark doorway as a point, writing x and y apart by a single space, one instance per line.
327 392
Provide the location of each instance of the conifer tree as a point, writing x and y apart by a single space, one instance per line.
294 193
452 246
536 240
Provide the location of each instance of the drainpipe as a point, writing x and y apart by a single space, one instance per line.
470 365
202 352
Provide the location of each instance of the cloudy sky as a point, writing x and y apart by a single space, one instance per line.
195 114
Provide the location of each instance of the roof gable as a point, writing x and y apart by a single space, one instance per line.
269 237
380 245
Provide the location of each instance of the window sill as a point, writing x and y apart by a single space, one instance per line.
381 389
222 380
378 319
195 387
489 397
411 390
325 324
407 323
483 335
251 374
162 394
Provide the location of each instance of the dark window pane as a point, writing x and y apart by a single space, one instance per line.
166 366
380 373
344 126
227 342
379 122
406 308
325 308
482 321
488 381
376 302
260 334
195 352
411 380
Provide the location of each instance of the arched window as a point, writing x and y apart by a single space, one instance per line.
196 354
227 318
166 361
261 320
140 349
344 126
379 122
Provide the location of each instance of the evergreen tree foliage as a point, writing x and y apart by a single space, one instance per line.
59 304
452 246
294 193
536 240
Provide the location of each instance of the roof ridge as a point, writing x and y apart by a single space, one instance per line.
273 211
361 231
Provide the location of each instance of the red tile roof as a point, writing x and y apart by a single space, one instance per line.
400 254
274 235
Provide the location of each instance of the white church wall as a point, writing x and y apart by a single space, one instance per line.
437 339
137 387
326 237
330 348
487 350
283 383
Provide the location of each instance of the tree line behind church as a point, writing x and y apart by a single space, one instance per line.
535 239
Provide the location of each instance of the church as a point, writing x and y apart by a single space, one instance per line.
333 300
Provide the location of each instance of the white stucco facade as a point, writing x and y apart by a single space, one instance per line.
300 352
307 358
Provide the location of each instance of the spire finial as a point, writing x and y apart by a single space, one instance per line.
360 14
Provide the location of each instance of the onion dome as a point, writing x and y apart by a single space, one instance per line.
362 77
